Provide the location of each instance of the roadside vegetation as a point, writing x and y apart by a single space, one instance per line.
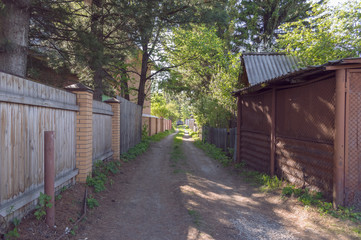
211 150
177 154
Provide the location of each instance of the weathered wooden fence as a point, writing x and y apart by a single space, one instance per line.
85 131
27 109
102 130
130 124
221 137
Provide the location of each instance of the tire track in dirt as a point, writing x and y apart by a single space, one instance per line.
195 199
230 208
143 203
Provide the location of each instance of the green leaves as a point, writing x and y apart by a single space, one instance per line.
206 72
258 21
328 34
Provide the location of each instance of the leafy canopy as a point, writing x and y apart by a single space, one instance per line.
327 34
257 21
206 73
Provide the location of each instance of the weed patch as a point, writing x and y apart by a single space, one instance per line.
143 145
100 174
195 217
43 204
92 202
211 150
316 199
267 182
177 153
214 152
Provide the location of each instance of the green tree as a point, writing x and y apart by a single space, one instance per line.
206 73
257 21
150 21
163 108
328 34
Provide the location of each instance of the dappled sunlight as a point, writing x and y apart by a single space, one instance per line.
195 234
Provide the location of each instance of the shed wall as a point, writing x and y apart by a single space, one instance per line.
304 133
353 139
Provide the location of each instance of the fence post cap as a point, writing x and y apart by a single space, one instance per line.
112 100
79 87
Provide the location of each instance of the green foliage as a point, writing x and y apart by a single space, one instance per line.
327 34
357 231
98 181
135 151
13 234
287 191
195 217
58 197
92 202
145 131
73 230
267 182
163 108
177 152
44 201
143 145
214 152
205 75
100 174
316 199
257 21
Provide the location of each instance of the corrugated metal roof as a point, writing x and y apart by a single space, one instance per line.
261 67
297 72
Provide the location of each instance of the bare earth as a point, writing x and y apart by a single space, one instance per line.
195 198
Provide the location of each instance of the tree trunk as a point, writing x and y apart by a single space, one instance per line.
143 76
97 63
124 87
98 84
14 29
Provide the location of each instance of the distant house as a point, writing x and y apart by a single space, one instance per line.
302 124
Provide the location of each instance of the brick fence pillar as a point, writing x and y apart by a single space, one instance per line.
84 130
115 127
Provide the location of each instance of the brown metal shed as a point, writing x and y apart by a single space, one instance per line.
303 124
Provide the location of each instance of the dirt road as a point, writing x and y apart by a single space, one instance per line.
195 198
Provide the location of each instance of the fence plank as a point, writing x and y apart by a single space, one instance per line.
27 109
130 124
102 130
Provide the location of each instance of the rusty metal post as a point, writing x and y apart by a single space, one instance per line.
273 133
239 124
49 175
339 143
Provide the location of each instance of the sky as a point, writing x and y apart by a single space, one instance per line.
336 2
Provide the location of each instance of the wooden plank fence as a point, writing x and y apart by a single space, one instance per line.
221 137
130 124
27 109
102 129
85 131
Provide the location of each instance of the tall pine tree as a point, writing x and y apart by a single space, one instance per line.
257 21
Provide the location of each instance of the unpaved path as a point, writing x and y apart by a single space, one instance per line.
194 198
